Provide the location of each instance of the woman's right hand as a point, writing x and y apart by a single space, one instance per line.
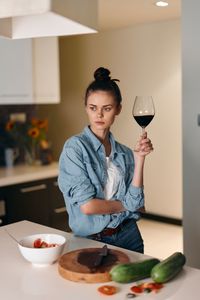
144 146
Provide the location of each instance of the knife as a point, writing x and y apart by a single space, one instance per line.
103 252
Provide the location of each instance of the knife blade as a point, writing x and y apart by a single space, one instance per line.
102 253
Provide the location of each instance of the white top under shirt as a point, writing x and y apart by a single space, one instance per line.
114 179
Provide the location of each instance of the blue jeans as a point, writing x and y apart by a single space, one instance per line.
128 237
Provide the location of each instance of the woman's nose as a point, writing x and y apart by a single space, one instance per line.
99 113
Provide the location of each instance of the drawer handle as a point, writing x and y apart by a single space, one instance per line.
60 210
2 208
55 183
33 188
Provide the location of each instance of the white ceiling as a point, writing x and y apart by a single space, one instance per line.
115 14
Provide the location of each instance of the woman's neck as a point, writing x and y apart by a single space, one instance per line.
103 136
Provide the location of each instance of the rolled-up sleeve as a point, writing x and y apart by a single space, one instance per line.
133 199
73 178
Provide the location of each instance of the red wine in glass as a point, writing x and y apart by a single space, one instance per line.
143 110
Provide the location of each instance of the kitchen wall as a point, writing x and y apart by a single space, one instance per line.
191 130
147 60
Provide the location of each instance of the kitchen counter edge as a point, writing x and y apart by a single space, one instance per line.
26 173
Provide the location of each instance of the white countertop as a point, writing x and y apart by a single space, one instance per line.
25 173
21 280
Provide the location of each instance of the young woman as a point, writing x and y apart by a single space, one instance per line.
101 179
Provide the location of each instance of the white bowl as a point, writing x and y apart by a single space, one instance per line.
42 256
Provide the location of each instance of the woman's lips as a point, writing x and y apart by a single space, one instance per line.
99 122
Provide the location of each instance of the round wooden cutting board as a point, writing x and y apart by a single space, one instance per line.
78 265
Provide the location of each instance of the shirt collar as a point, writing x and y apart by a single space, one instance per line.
93 139
96 142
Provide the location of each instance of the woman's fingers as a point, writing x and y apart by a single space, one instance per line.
144 145
144 135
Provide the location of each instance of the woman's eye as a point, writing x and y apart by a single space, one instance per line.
93 108
106 109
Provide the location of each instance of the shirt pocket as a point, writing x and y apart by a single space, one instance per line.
95 173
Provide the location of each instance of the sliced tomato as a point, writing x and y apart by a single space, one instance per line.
44 245
138 289
37 243
52 245
146 287
154 285
107 289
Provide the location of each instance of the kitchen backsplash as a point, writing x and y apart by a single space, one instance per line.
5 111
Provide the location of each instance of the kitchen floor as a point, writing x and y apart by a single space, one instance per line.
161 239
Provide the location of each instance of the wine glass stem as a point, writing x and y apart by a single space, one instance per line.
143 130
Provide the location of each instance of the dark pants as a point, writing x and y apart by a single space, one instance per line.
127 237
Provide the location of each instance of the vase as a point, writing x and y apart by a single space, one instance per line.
10 156
30 156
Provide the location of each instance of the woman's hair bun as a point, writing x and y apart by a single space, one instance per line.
103 82
102 74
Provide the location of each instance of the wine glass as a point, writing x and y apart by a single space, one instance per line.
143 111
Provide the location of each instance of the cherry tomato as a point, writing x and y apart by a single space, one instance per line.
137 289
107 289
37 243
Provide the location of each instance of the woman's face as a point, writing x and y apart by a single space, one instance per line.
101 109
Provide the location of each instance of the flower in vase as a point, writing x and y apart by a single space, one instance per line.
30 135
33 132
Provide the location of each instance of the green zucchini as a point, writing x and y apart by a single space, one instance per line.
133 271
168 268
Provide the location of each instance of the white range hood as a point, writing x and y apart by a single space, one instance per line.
39 18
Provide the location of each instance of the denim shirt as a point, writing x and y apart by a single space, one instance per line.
83 175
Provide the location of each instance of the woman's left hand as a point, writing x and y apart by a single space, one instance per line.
143 146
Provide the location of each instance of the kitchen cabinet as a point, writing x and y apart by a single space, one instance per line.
46 84
58 217
27 201
3 220
29 71
15 71
38 201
